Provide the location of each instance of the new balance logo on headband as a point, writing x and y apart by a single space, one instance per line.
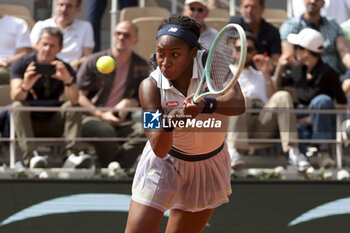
172 29
180 32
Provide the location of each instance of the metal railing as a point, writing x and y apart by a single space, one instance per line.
338 141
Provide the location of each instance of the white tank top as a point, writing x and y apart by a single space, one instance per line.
195 140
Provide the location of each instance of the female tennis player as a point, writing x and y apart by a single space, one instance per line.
184 170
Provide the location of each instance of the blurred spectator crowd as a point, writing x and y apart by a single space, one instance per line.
300 63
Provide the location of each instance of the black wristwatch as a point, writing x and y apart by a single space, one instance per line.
69 84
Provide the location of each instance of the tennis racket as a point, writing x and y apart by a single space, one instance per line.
218 75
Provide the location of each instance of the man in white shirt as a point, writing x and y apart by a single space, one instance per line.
338 9
78 35
198 10
14 43
259 92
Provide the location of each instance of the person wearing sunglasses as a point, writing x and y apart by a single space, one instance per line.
198 10
260 93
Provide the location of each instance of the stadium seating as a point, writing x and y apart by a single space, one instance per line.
19 12
217 12
216 23
147 33
275 16
130 13
5 95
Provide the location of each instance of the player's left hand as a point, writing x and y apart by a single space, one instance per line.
191 108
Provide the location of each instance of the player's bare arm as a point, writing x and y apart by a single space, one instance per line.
161 141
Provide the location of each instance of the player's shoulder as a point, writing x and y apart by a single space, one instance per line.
149 81
149 85
159 79
156 74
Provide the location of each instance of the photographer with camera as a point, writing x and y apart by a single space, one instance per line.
39 79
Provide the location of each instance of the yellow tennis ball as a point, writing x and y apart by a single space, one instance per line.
105 64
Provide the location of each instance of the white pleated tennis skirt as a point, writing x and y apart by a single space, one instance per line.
171 183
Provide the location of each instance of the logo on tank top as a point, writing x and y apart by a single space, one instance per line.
172 104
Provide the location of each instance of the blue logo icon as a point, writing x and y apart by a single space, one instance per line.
151 120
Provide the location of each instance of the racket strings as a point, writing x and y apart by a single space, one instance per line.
220 72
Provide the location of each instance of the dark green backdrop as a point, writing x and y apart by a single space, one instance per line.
255 206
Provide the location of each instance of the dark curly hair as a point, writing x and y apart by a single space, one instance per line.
185 22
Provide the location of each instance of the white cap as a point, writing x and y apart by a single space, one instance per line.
203 2
309 39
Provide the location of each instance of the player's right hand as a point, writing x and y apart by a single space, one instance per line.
193 109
